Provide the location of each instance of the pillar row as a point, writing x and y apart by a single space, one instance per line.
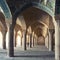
4 39
24 40
10 41
30 40
50 39
57 40
47 41
15 38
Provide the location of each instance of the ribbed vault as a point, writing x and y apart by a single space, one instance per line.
39 20
33 13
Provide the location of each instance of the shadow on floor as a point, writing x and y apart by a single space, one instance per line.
34 56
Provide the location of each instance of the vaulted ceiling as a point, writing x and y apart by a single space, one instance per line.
33 17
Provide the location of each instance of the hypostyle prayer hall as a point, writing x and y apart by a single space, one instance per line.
29 29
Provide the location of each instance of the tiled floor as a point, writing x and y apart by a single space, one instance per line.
36 53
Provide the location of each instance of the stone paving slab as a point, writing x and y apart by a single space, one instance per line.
29 56
26 58
35 53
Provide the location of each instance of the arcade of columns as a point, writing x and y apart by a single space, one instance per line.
32 39
29 38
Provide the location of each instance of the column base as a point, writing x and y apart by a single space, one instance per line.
10 56
4 48
24 49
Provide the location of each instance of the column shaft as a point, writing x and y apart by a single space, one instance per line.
30 40
4 40
33 41
50 40
21 41
57 40
10 42
47 41
15 38
24 40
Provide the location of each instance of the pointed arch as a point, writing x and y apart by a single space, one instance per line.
32 4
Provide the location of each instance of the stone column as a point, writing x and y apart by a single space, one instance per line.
35 41
50 39
30 40
4 39
57 40
21 41
47 41
15 39
24 40
10 41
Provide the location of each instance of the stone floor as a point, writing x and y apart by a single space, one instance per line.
35 53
